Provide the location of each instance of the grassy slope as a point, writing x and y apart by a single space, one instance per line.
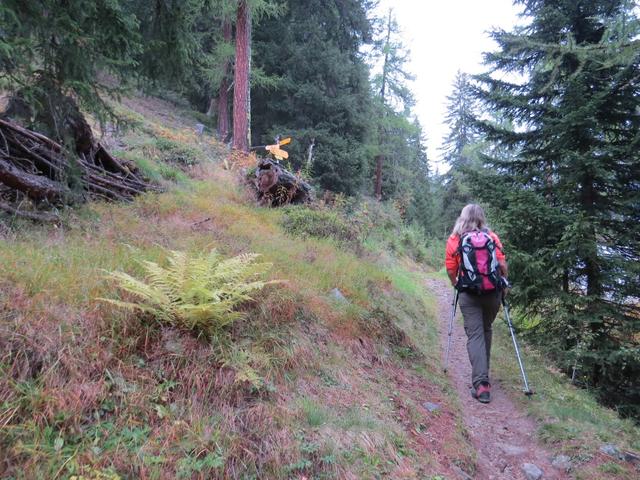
88 390
571 420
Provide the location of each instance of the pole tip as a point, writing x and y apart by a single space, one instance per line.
529 393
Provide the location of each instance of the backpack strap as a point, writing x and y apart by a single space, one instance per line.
489 232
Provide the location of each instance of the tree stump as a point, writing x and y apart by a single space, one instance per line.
275 186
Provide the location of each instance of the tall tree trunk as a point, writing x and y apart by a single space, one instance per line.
241 101
223 93
592 271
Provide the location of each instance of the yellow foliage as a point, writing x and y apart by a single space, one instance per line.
238 160
94 474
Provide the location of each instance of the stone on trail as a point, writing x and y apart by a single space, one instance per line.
562 462
432 407
531 471
610 449
337 295
631 457
512 450
461 473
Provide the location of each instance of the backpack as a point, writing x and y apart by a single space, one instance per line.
478 263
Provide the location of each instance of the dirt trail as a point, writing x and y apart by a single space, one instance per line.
504 437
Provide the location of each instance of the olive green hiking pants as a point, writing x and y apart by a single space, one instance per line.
479 312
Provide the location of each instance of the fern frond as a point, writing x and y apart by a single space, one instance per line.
148 293
197 292
178 271
234 268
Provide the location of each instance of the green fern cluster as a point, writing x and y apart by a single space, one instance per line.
196 292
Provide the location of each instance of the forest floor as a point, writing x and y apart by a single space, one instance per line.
348 387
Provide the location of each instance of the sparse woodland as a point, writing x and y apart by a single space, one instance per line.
177 301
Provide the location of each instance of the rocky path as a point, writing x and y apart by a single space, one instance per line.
504 436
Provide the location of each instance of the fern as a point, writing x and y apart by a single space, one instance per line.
197 292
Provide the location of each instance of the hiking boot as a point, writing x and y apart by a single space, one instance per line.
482 393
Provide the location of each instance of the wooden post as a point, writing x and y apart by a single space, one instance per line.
310 152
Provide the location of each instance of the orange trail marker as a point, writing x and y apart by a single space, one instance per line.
276 151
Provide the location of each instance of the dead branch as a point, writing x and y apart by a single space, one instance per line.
42 168
42 217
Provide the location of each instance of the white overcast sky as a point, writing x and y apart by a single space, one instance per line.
445 36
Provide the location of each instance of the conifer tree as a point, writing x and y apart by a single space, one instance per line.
461 111
321 94
52 52
394 98
172 53
458 148
401 167
568 203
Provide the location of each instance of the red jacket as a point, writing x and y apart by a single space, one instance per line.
452 255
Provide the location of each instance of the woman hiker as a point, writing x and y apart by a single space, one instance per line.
476 266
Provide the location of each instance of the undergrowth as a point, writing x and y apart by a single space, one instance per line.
571 419
364 225
199 292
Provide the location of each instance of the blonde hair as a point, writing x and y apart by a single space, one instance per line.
471 218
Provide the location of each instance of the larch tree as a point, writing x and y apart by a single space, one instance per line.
248 11
222 99
461 111
394 96
569 203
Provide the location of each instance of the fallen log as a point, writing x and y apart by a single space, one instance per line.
42 217
36 187
275 186
56 147
42 169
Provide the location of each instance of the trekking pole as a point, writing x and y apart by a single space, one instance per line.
527 390
454 305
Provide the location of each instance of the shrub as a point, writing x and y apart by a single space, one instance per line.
434 252
200 293
318 223
177 153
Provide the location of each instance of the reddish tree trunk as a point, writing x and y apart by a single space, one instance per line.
223 94
241 105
